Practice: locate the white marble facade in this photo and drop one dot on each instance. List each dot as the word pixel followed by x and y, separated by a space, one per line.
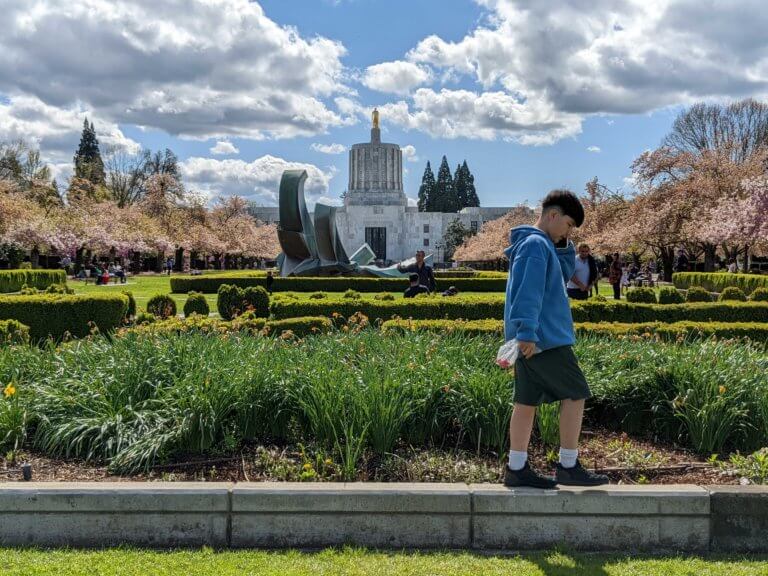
pixel 375 199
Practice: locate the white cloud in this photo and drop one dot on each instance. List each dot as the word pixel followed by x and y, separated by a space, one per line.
pixel 194 68
pixel 409 153
pixel 328 148
pixel 594 149
pixel 258 180
pixel 330 201
pixel 412 202
pixel 224 147
pixel 397 77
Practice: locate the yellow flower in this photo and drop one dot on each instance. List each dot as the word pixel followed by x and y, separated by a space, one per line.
pixel 328 462
pixel 721 390
pixel 9 391
pixel 307 466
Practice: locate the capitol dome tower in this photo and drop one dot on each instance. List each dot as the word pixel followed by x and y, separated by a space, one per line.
pixel 375 172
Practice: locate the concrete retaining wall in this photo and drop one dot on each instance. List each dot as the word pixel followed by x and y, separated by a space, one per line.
pixel 481 516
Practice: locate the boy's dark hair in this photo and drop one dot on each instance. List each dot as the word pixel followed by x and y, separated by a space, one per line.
pixel 413 277
pixel 567 202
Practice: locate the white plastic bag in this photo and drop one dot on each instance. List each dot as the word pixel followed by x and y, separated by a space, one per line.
pixel 509 352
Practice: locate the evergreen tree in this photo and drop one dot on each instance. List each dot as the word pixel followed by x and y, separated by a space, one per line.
pixel 88 162
pixel 426 190
pixel 454 236
pixel 445 193
pixel 460 184
pixel 472 199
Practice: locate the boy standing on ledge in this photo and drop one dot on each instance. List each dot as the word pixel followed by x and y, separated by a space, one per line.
pixel 538 315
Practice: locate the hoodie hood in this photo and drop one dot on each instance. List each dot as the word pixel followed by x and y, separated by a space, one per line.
pixel 516 237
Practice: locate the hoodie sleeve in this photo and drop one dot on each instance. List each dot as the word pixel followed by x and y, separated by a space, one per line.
pixel 567 258
pixel 525 292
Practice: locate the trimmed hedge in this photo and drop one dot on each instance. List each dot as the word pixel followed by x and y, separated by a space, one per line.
pixel 299 327
pixel 698 294
pixel 56 315
pixel 732 294
pixel 232 301
pixel 13 332
pixel 759 295
pixel 670 295
pixel 162 306
pixel 756 331
pixel 478 309
pixel 718 281
pixel 644 295
pixel 210 284
pixel 13 280
pixel 196 304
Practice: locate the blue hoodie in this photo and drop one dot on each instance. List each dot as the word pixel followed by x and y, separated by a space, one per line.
pixel 537 308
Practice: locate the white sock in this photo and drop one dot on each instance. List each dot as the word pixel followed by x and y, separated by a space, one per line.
pixel 568 457
pixel 517 459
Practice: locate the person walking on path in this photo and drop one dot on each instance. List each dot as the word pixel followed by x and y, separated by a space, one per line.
pixel 426 276
pixel 585 274
pixel 537 314
pixel 614 275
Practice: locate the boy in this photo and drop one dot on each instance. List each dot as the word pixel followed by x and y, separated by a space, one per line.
pixel 537 313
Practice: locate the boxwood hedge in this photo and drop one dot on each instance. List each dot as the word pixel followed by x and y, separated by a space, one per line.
pixel 718 281
pixel 210 284
pixel 55 315
pixel 13 280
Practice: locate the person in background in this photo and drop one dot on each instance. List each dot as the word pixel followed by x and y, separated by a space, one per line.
pixel 415 287
pixel 426 276
pixel 270 281
pixel 451 291
pixel 585 274
pixel 614 275
pixel 732 267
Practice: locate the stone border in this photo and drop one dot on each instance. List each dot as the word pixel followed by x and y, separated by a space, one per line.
pixel 681 518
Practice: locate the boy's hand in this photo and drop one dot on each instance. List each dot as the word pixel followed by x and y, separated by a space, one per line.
pixel 527 349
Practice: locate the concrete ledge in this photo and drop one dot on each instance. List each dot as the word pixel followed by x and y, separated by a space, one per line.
pixel 488 517
pixel 739 519
pixel 605 518
pixel 375 515
pixel 110 514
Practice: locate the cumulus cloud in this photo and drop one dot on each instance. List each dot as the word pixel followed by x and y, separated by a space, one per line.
pixel 594 149
pixel 258 180
pixel 397 77
pixel 224 147
pixel 409 153
pixel 193 68
pixel 328 148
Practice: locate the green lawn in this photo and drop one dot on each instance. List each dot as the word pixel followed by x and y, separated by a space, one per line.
pixel 358 562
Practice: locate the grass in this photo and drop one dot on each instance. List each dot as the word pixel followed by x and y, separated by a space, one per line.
pixel 359 562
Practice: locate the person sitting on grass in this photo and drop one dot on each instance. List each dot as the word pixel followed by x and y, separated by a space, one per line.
pixel 451 291
pixel 538 315
pixel 415 288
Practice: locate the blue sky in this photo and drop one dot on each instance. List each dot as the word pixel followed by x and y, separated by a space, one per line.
pixel 533 94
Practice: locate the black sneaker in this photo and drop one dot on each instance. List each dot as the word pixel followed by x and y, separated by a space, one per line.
pixel 579 476
pixel 527 477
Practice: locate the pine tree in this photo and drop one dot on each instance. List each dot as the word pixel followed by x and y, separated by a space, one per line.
pixel 88 162
pixel 460 184
pixel 472 199
pixel 427 189
pixel 445 193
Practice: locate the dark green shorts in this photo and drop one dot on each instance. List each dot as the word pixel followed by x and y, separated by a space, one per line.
pixel 549 376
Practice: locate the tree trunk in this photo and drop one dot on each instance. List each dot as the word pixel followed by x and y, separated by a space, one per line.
pixel 178 262
pixel 745 266
pixel 78 260
pixel 34 257
pixel 709 257
pixel 159 262
pixel 668 262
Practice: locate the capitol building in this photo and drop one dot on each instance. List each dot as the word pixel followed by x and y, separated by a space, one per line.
pixel 376 209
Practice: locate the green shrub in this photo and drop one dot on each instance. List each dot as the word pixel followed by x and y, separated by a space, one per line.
pixel 384 296
pixel 300 327
pixel 698 294
pixel 210 284
pixel 143 318
pixel 718 281
pixel 56 315
pixel 196 304
pixel 317 296
pixel 13 332
pixel 641 295
pixel 759 295
pixel 670 295
pixel 13 280
pixel 354 294
pixel 28 291
pixel 59 289
pixel 256 299
pixel 161 306
pixel 131 310
pixel 233 301
pixel 732 293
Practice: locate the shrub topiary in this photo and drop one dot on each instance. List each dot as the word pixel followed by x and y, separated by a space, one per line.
pixel 698 294
pixel 229 301
pixel 669 295
pixel 641 295
pixel 352 294
pixel 59 289
pixel 196 304
pixel 317 296
pixel 732 293
pixel 161 306
pixel 13 332
pixel 759 295
pixel 145 318
pixel 13 280
pixel 131 311
pixel 256 299
pixel 384 296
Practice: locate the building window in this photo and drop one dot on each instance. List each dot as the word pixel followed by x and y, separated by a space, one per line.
pixel 426 241
pixel 426 230
pixel 473 226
